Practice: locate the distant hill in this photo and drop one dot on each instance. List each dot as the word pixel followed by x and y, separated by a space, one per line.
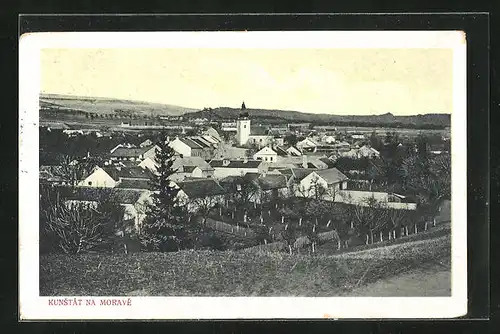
pixel 437 120
pixel 99 105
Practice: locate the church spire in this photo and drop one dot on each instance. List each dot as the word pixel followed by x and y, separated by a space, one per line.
pixel 244 112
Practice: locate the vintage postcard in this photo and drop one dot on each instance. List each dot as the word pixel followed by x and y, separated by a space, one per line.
pixel 242 175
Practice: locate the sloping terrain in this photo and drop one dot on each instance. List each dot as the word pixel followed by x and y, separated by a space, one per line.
pixel 211 273
pixel 99 105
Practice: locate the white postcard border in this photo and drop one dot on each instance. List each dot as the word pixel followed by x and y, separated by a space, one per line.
pixel 34 307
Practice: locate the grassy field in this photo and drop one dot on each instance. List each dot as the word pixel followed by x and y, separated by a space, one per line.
pixel 210 273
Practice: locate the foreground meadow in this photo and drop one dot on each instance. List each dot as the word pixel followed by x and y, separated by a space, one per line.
pixel 233 273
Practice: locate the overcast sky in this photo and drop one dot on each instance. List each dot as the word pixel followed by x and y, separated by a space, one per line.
pixel 337 81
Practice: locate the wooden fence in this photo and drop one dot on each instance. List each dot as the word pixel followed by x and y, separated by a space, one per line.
pixel 228 228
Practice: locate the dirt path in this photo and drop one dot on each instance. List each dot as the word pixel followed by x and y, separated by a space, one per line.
pixel 429 282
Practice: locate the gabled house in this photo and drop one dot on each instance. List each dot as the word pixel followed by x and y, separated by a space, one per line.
pixel 192 147
pixel 110 177
pixel 187 172
pixel 326 182
pixel 368 152
pixel 197 193
pixel 307 145
pixel 211 132
pixel 295 175
pixel 180 163
pixel 149 164
pixel 322 183
pixel 266 154
pixel 328 139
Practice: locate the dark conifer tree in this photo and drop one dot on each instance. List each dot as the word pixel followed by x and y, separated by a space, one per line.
pixel 166 227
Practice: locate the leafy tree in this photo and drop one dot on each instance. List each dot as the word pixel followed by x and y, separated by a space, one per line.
pixel 166 227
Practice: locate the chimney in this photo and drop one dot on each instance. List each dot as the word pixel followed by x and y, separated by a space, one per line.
pixel 304 161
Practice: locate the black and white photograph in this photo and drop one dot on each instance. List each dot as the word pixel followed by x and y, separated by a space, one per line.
pixel 315 166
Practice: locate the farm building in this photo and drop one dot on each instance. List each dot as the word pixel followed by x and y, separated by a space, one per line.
pixel 326 179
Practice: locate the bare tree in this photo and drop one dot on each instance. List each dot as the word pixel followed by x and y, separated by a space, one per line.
pixel 72 170
pixel 204 205
pixel 81 227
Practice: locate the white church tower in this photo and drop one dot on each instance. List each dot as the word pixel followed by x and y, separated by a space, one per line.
pixel 243 127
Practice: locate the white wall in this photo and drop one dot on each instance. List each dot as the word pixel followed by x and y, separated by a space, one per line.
pixel 180 147
pixel 197 172
pixel 267 157
pixel 306 185
pixel 148 163
pixel 99 178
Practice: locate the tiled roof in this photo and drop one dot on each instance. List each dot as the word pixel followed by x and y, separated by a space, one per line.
pixel 133 172
pixel 130 152
pixel 134 184
pixel 201 188
pixel 191 143
pixel 191 161
pixel 328 162
pixel 297 173
pixel 200 141
pixel 281 151
pixel 331 175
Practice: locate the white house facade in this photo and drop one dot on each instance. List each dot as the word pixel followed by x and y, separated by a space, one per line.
pixel 180 147
pixel 267 155
pixel 98 178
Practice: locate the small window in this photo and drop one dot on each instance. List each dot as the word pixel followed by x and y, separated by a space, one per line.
pixel 260 140
pixel 90 183
pixel 266 158
pixel 244 126
pixel 271 158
